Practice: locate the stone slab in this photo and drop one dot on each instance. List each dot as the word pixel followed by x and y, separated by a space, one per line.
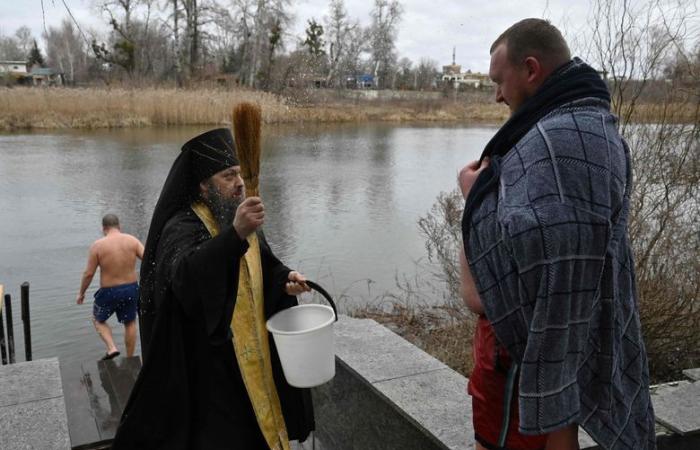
pixel 122 373
pixel 30 381
pixel 678 409
pixel 103 406
pixel 376 353
pixel 108 385
pixel 82 426
pixel 692 374
pixel 351 415
pixel 96 394
pixel 437 401
pixel 39 424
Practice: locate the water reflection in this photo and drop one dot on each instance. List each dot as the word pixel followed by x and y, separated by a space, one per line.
pixel 342 205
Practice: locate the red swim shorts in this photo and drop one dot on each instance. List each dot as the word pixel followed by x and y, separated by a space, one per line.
pixel 493 387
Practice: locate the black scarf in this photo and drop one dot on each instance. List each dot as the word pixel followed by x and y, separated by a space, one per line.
pixel 574 80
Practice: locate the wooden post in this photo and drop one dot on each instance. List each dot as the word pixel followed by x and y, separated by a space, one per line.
pixel 25 321
pixel 3 351
pixel 10 332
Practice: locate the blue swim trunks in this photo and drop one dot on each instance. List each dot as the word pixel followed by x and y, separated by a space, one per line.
pixel 122 299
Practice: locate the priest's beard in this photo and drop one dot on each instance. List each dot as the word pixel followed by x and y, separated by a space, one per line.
pixel 223 208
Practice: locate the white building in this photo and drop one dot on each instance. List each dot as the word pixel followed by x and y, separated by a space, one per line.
pixel 453 73
pixel 475 80
pixel 18 68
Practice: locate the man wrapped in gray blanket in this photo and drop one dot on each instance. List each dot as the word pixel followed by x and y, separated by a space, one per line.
pixel 550 268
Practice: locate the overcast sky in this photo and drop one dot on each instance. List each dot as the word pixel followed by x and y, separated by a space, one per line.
pixel 429 28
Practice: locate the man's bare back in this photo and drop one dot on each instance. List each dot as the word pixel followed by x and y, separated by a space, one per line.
pixel 116 256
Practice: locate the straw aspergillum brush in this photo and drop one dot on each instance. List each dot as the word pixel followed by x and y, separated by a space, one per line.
pixel 247 121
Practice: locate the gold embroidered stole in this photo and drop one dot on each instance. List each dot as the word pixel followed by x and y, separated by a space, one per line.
pixel 250 339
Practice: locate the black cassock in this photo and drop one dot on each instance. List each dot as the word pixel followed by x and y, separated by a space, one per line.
pixel 190 394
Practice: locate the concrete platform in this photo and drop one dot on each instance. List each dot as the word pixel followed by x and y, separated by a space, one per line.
pixel 32 408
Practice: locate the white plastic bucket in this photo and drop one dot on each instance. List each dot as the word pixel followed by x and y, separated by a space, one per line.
pixel 304 338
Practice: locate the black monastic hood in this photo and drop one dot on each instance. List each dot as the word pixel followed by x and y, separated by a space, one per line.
pixel 200 158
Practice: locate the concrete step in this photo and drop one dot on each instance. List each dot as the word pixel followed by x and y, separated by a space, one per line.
pixel 677 407
pixel 32 409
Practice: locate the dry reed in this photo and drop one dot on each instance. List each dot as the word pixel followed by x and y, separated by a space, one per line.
pixel 35 108
pixel 23 108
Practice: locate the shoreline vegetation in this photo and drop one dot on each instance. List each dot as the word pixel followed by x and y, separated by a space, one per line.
pixel 27 109
pixel 31 109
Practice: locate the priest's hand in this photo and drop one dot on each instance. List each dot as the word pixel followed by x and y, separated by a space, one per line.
pixel 297 284
pixel 249 216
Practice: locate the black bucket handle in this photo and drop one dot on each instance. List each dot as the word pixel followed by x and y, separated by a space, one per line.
pixel 325 294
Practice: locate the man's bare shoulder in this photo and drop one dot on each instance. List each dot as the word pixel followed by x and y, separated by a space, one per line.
pixel 131 238
pixel 97 244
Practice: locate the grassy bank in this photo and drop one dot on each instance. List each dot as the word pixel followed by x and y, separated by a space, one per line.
pixel 31 108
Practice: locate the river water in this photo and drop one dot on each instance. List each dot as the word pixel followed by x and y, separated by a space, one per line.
pixel 342 205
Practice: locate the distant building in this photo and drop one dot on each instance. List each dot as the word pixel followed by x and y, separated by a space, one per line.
pixel 475 80
pixel 45 76
pixel 453 70
pixel 453 73
pixel 17 72
pixel 13 68
pixel 364 81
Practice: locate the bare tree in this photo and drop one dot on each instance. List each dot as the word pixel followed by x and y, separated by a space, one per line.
pixel 174 7
pixel 224 38
pixel 195 19
pixel 385 20
pixel 122 49
pixel 24 40
pixel 10 49
pixel 140 42
pixel 66 50
pixel 272 18
pixel 342 34
pixel 425 74
pixel 241 56
pixel 402 76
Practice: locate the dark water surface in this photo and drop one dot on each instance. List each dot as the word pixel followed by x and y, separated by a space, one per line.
pixel 342 206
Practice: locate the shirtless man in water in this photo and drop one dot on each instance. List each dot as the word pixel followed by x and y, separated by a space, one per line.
pixel 115 255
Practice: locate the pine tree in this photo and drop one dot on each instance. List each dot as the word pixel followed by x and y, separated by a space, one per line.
pixel 35 57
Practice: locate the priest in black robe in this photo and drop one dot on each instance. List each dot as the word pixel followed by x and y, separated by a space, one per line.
pixel 211 377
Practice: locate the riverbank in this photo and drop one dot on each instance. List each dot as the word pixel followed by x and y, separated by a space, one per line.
pixel 92 108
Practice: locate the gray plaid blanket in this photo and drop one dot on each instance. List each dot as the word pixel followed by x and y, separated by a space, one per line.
pixel 548 247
